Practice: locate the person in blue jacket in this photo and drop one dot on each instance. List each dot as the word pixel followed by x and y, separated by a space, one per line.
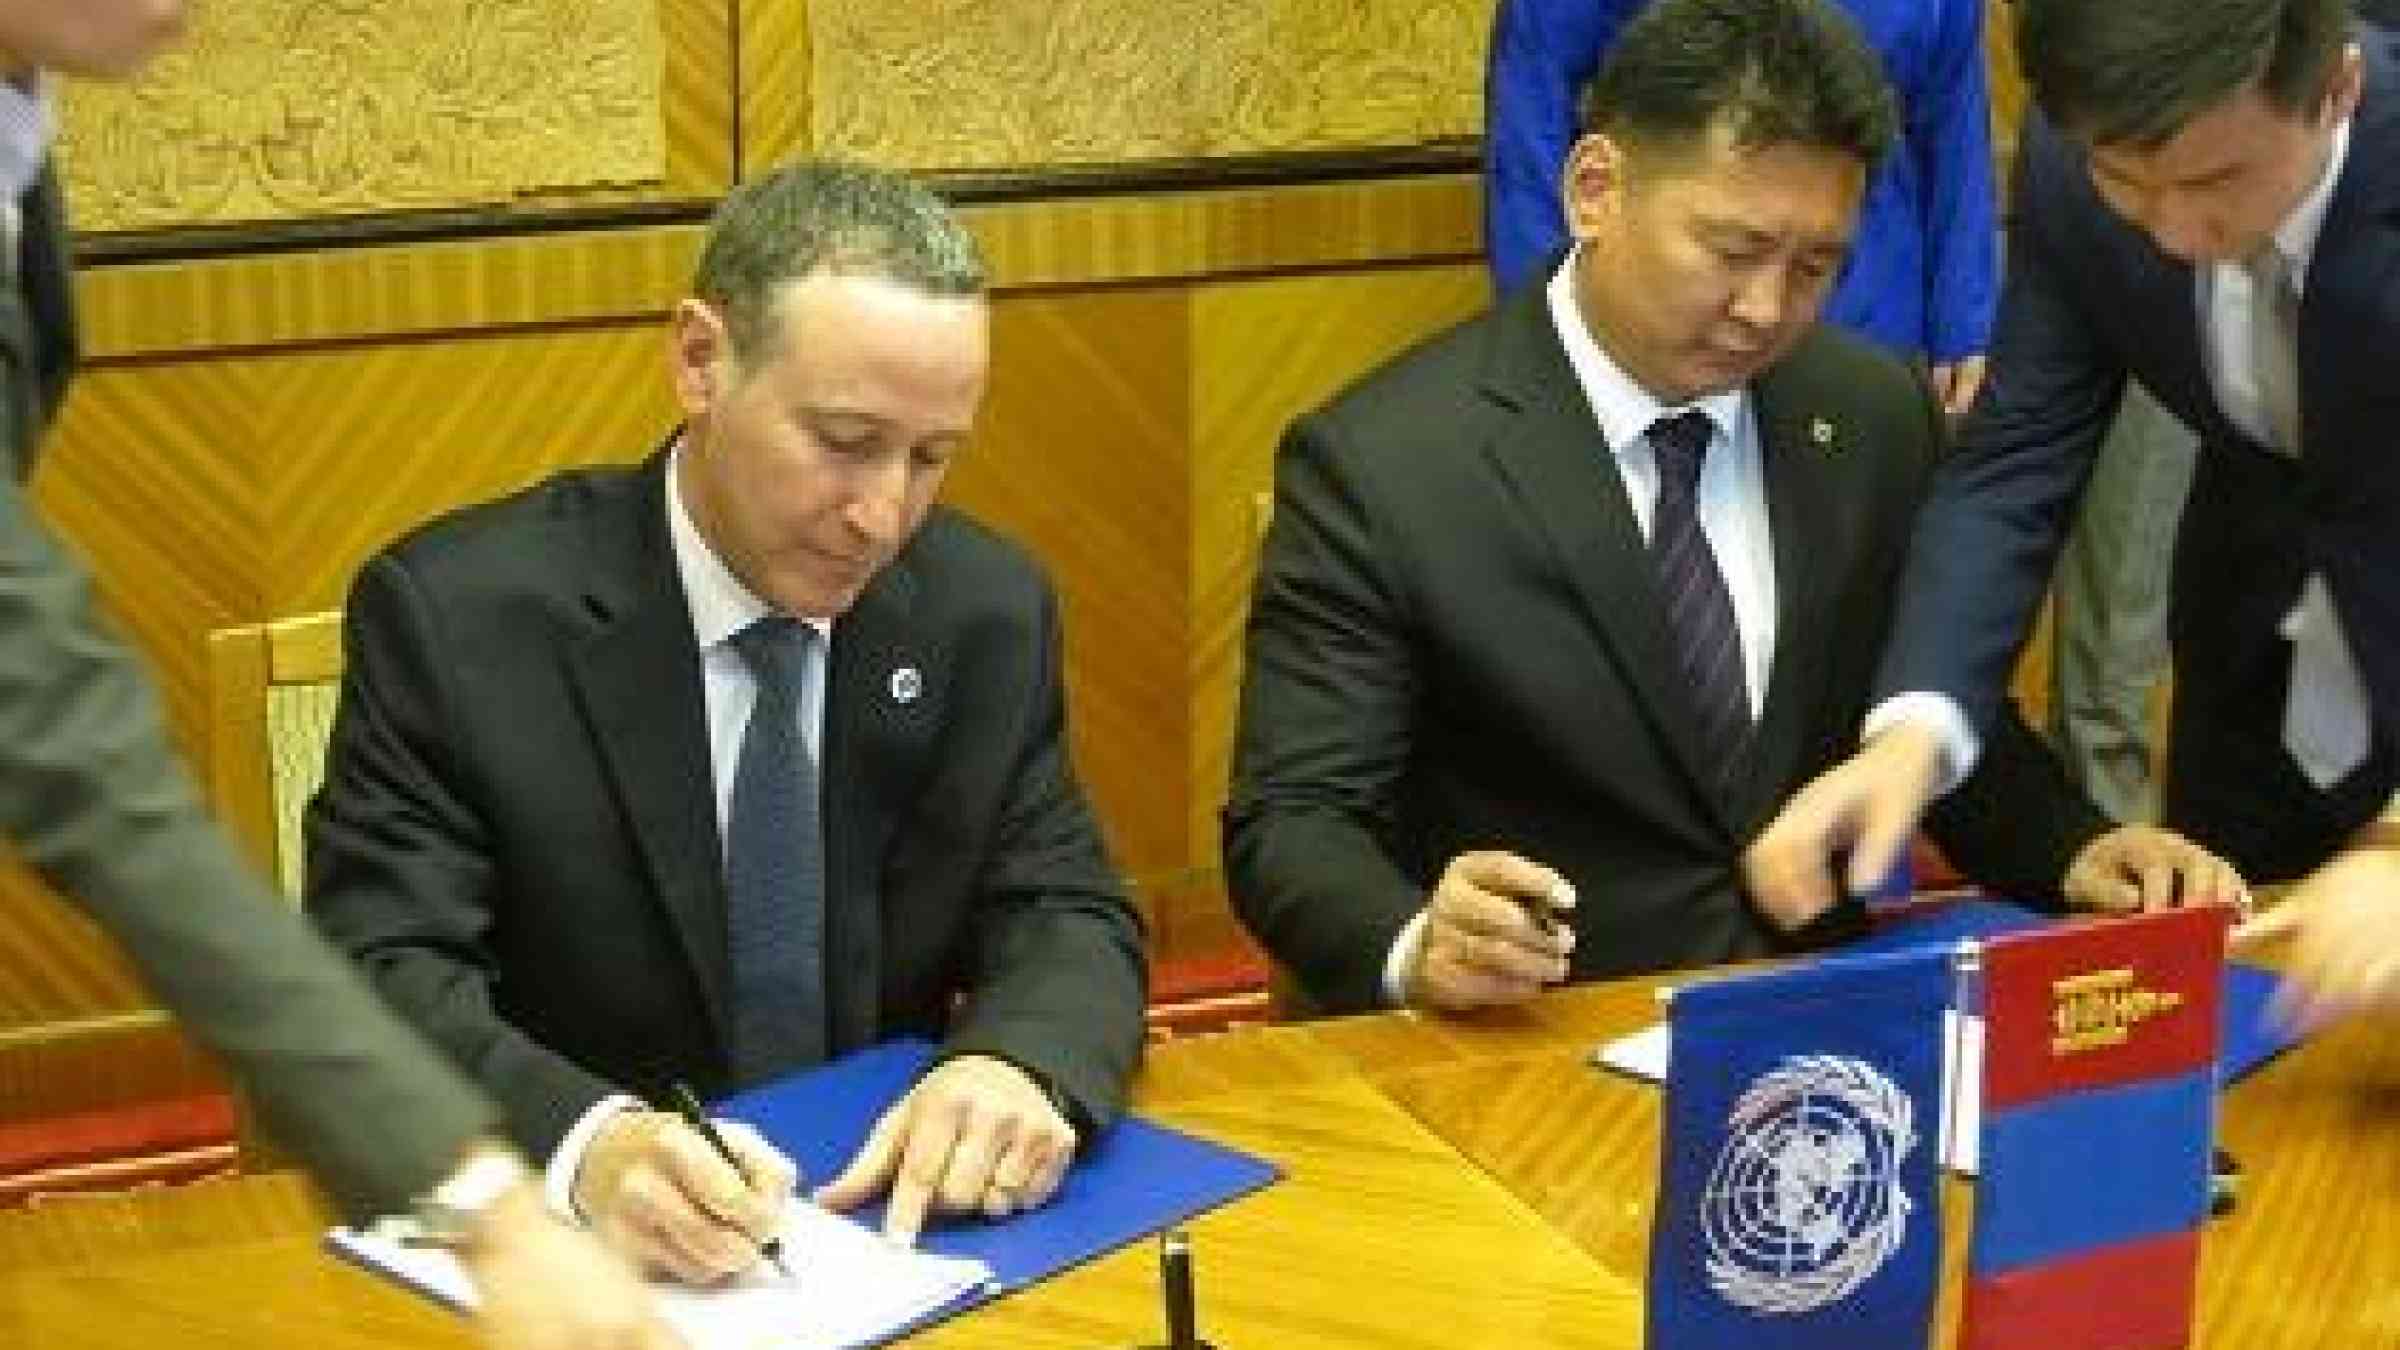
pixel 1921 277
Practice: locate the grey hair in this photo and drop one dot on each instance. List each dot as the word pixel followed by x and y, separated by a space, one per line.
pixel 826 216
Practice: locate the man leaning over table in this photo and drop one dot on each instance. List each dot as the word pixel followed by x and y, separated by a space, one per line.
pixel 2226 231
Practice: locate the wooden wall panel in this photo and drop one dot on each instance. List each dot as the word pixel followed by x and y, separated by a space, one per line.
pixel 357 445
pixel 1264 352
pixel 995 84
pixel 1080 458
pixel 293 111
pixel 701 93
pixel 154 482
pixel 774 78
pixel 349 296
pixel 56 968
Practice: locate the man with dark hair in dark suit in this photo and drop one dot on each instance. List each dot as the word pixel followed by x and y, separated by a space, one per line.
pixel 93 797
pixel 751 754
pixel 2209 203
pixel 1557 608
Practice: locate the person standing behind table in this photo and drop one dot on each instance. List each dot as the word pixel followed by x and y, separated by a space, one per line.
pixel 2224 230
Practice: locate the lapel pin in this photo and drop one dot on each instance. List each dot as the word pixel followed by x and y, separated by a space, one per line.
pixel 1820 431
pixel 907 684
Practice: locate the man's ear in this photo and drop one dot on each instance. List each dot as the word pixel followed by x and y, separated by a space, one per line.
pixel 2344 85
pixel 1592 183
pixel 699 356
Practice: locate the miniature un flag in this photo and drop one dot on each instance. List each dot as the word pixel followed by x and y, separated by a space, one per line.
pixel 1798 1157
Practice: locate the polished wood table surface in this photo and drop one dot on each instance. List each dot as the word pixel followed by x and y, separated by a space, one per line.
pixel 1451 1182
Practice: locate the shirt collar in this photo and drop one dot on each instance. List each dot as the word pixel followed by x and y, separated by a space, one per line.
pixel 27 124
pixel 1624 408
pixel 2296 237
pixel 721 605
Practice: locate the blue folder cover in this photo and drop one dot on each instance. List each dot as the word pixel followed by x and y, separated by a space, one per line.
pixel 2250 1036
pixel 1135 1179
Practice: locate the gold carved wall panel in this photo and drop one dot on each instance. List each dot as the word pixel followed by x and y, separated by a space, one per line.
pixel 992 84
pixel 281 109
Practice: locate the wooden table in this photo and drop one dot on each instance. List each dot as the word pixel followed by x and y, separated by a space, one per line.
pixel 1452 1182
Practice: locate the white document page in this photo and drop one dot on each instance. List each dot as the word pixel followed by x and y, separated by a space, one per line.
pixel 848 1287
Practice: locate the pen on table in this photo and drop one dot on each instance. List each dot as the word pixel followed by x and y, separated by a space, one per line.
pixel 688 1106
pixel 1175 1281
pixel 1548 910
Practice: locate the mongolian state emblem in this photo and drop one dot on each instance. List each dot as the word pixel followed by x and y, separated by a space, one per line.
pixel 2101 1008
pixel 1805 1202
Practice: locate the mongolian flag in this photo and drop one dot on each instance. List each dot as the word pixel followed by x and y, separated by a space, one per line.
pixel 1796 1199
pixel 2099 1096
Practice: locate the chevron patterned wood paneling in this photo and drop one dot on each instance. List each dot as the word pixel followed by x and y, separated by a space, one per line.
pixel 1080 457
pixel 357 445
pixel 774 77
pixel 1263 352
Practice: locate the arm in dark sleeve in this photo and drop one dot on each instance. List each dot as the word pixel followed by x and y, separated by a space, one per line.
pixel 94 799
pixel 2017 823
pixel 2000 502
pixel 1328 694
pixel 1542 54
pixel 1950 133
pixel 399 870
pixel 1059 972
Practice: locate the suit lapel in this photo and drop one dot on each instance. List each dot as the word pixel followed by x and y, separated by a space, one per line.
pixel 37 325
pixel 1804 473
pixel 2354 273
pixel 638 675
pixel 886 689
pixel 1553 456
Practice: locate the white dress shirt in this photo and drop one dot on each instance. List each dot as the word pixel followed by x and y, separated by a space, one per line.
pixel 2222 298
pixel 721 607
pixel 1731 499
pixel 27 125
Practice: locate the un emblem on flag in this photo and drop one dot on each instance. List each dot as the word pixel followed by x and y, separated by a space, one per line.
pixel 1805 1202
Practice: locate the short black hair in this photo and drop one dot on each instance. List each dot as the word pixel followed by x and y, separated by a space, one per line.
pixel 1774 72
pixel 2136 72
pixel 827 216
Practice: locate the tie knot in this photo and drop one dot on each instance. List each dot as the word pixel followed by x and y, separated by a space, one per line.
pixel 1680 442
pixel 773 647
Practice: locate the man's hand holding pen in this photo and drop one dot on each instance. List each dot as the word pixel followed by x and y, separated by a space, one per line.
pixel 1495 932
pixel 657 1192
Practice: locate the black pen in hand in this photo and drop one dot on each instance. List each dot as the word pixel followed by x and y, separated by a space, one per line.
pixel 686 1105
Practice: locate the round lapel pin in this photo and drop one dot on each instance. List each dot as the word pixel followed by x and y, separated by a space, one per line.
pixel 1820 430
pixel 907 684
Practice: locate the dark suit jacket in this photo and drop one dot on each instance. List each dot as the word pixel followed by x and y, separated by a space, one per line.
pixel 2089 301
pixel 517 834
pixel 92 795
pixel 1455 644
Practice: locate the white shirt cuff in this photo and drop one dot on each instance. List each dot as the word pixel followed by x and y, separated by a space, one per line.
pixel 1948 721
pixel 558 1178
pixel 1403 956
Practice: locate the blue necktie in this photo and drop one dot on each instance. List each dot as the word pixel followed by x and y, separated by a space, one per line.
pixel 775 867
pixel 1699 608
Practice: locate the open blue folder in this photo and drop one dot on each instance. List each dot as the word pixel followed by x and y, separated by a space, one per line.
pixel 1135 1179
pixel 2250 1036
